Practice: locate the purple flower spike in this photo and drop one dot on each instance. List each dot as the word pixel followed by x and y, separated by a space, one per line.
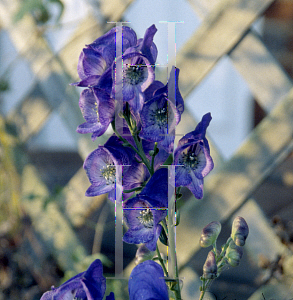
pixel 144 212
pixel 147 282
pixel 192 159
pixel 88 285
pixel 98 110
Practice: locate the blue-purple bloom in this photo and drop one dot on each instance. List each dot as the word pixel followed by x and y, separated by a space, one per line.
pixel 147 282
pixel 144 212
pixel 192 159
pixel 101 169
pixel 158 120
pixel 138 74
pixel 162 113
pixel 97 58
pixel 138 71
pixel 88 285
pixel 98 109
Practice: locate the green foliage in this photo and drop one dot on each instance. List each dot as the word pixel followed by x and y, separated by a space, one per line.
pixel 4 85
pixel 39 9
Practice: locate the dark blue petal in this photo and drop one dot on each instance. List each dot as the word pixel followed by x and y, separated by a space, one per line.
pixel 150 91
pixel 199 132
pixel 111 296
pixel 147 282
pixel 157 188
pixel 147 47
pixel 96 190
pixel 192 159
pixel 152 244
pixel 196 187
pixel 106 44
pixel 88 81
pixel 138 236
pixel 88 285
pixel 98 110
pixel 169 89
pixel 90 63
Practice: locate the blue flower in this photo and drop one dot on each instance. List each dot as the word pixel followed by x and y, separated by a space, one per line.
pixel 100 167
pixel 138 74
pixel 138 71
pixel 144 212
pixel 159 115
pixel 88 285
pixel 147 282
pixel 172 87
pixel 98 110
pixel 158 120
pixel 192 159
pixel 98 57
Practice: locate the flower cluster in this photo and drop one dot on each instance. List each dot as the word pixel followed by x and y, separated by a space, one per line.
pixel 132 166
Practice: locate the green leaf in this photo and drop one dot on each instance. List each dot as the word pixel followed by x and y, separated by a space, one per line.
pixel 169 160
pixel 163 237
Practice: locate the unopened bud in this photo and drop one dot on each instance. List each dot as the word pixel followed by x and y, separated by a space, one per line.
pixel 210 268
pixel 143 254
pixel 210 234
pixel 239 231
pixel 234 254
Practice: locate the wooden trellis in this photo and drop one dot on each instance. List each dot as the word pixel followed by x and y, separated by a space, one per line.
pixel 225 30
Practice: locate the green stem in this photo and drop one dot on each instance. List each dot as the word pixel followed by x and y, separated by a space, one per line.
pixel 153 157
pixel 142 154
pixel 139 149
pixel 205 285
pixel 139 188
pixel 220 257
pixel 161 261
pixel 171 243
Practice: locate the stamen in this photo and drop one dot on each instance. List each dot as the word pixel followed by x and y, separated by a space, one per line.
pixel 146 218
pixel 159 116
pixel 96 110
pixel 134 74
pixel 189 160
pixel 109 173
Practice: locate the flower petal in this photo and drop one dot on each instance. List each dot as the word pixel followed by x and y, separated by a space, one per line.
pixel 147 282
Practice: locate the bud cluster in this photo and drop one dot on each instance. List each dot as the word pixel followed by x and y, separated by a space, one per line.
pixel 231 252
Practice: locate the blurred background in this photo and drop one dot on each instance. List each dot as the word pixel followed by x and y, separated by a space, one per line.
pixel 236 61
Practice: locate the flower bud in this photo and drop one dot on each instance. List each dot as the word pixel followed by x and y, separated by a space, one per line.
pixel 210 234
pixel 239 231
pixel 233 254
pixel 143 254
pixel 210 267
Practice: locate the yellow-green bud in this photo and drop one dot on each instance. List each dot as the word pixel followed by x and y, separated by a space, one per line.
pixel 234 254
pixel 210 234
pixel 143 254
pixel 210 268
pixel 240 231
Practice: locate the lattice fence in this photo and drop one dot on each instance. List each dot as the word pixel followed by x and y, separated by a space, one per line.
pixel 225 30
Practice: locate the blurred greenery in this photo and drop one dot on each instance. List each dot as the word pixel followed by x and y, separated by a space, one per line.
pixel 39 9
